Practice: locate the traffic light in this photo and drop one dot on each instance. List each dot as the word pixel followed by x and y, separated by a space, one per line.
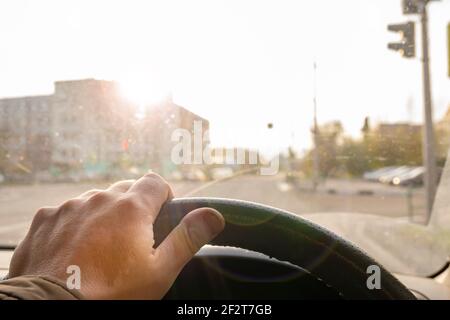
pixel 407 46
pixel 414 6
pixel 411 6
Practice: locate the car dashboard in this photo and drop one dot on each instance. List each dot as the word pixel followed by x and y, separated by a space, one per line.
pixel 234 273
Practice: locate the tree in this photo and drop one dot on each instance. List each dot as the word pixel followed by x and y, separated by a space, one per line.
pixel 384 145
pixel 3 150
pixel 328 139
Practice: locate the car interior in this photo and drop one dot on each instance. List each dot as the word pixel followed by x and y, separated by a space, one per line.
pixel 320 130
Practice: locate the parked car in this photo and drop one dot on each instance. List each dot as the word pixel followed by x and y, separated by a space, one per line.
pixel 391 174
pixel 376 174
pixel 413 177
pixel 194 175
pixel 221 173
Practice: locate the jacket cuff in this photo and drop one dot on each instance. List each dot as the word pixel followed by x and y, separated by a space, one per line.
pixel 36 288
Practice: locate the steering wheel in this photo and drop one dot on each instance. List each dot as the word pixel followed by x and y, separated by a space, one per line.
pixel 290 238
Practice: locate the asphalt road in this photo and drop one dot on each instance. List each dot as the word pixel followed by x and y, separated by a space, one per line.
pixel 18 203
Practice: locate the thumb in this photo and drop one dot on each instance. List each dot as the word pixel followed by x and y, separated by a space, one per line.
pixel 196 229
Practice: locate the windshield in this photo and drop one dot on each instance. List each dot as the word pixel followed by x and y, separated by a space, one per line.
pixel 300 105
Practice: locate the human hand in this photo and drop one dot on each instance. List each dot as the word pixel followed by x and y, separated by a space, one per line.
pixel 108 234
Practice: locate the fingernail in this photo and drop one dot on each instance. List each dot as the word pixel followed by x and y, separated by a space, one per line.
pixel 206 226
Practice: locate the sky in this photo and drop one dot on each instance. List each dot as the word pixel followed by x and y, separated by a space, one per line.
pixel 239 63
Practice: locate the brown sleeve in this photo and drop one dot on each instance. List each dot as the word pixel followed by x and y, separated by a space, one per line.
pixel 35 288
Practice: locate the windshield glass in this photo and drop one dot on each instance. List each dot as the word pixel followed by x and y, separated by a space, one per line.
pixel 300 105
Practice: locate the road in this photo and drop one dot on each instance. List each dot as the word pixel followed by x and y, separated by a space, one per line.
pixel 18 203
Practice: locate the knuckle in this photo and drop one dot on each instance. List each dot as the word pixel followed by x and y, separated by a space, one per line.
pixel 42 214
pixel 152 175
pixel 190 244
pixel 70 205
pixel 128 204
pixel 100 197
pixel 157 179
pixel 122 183
pixel 41 218
pixel 90 193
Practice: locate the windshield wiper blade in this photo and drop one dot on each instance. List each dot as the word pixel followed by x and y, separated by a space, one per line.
pixel 7 247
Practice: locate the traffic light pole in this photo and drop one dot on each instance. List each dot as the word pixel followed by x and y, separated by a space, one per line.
pixel 428 145
pixel 316 155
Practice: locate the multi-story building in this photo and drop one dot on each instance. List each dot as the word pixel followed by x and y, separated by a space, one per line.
pixel 85 126
pixel 159 123
pixel 89 123
pixel 25 127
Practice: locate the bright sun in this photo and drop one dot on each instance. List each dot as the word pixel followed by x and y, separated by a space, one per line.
pixel 143 90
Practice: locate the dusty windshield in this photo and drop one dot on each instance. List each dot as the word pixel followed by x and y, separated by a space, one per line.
pixel 300 105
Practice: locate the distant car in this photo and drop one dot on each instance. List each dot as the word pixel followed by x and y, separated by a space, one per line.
pixel 391 174
pixel 194 175
pixel 176 175
pixel 221 173
pixel 376 174
pixel 413 177
pixel 294 176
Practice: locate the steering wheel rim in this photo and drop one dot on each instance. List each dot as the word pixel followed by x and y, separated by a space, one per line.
pixel 288 237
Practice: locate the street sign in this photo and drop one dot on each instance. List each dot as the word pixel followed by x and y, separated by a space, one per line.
pixel 407 44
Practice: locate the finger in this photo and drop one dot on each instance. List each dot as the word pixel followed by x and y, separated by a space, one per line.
pixel 153 191
pixel 121 186
pixel 195 230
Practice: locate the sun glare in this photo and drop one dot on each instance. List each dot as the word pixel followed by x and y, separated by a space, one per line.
pixel 143 90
